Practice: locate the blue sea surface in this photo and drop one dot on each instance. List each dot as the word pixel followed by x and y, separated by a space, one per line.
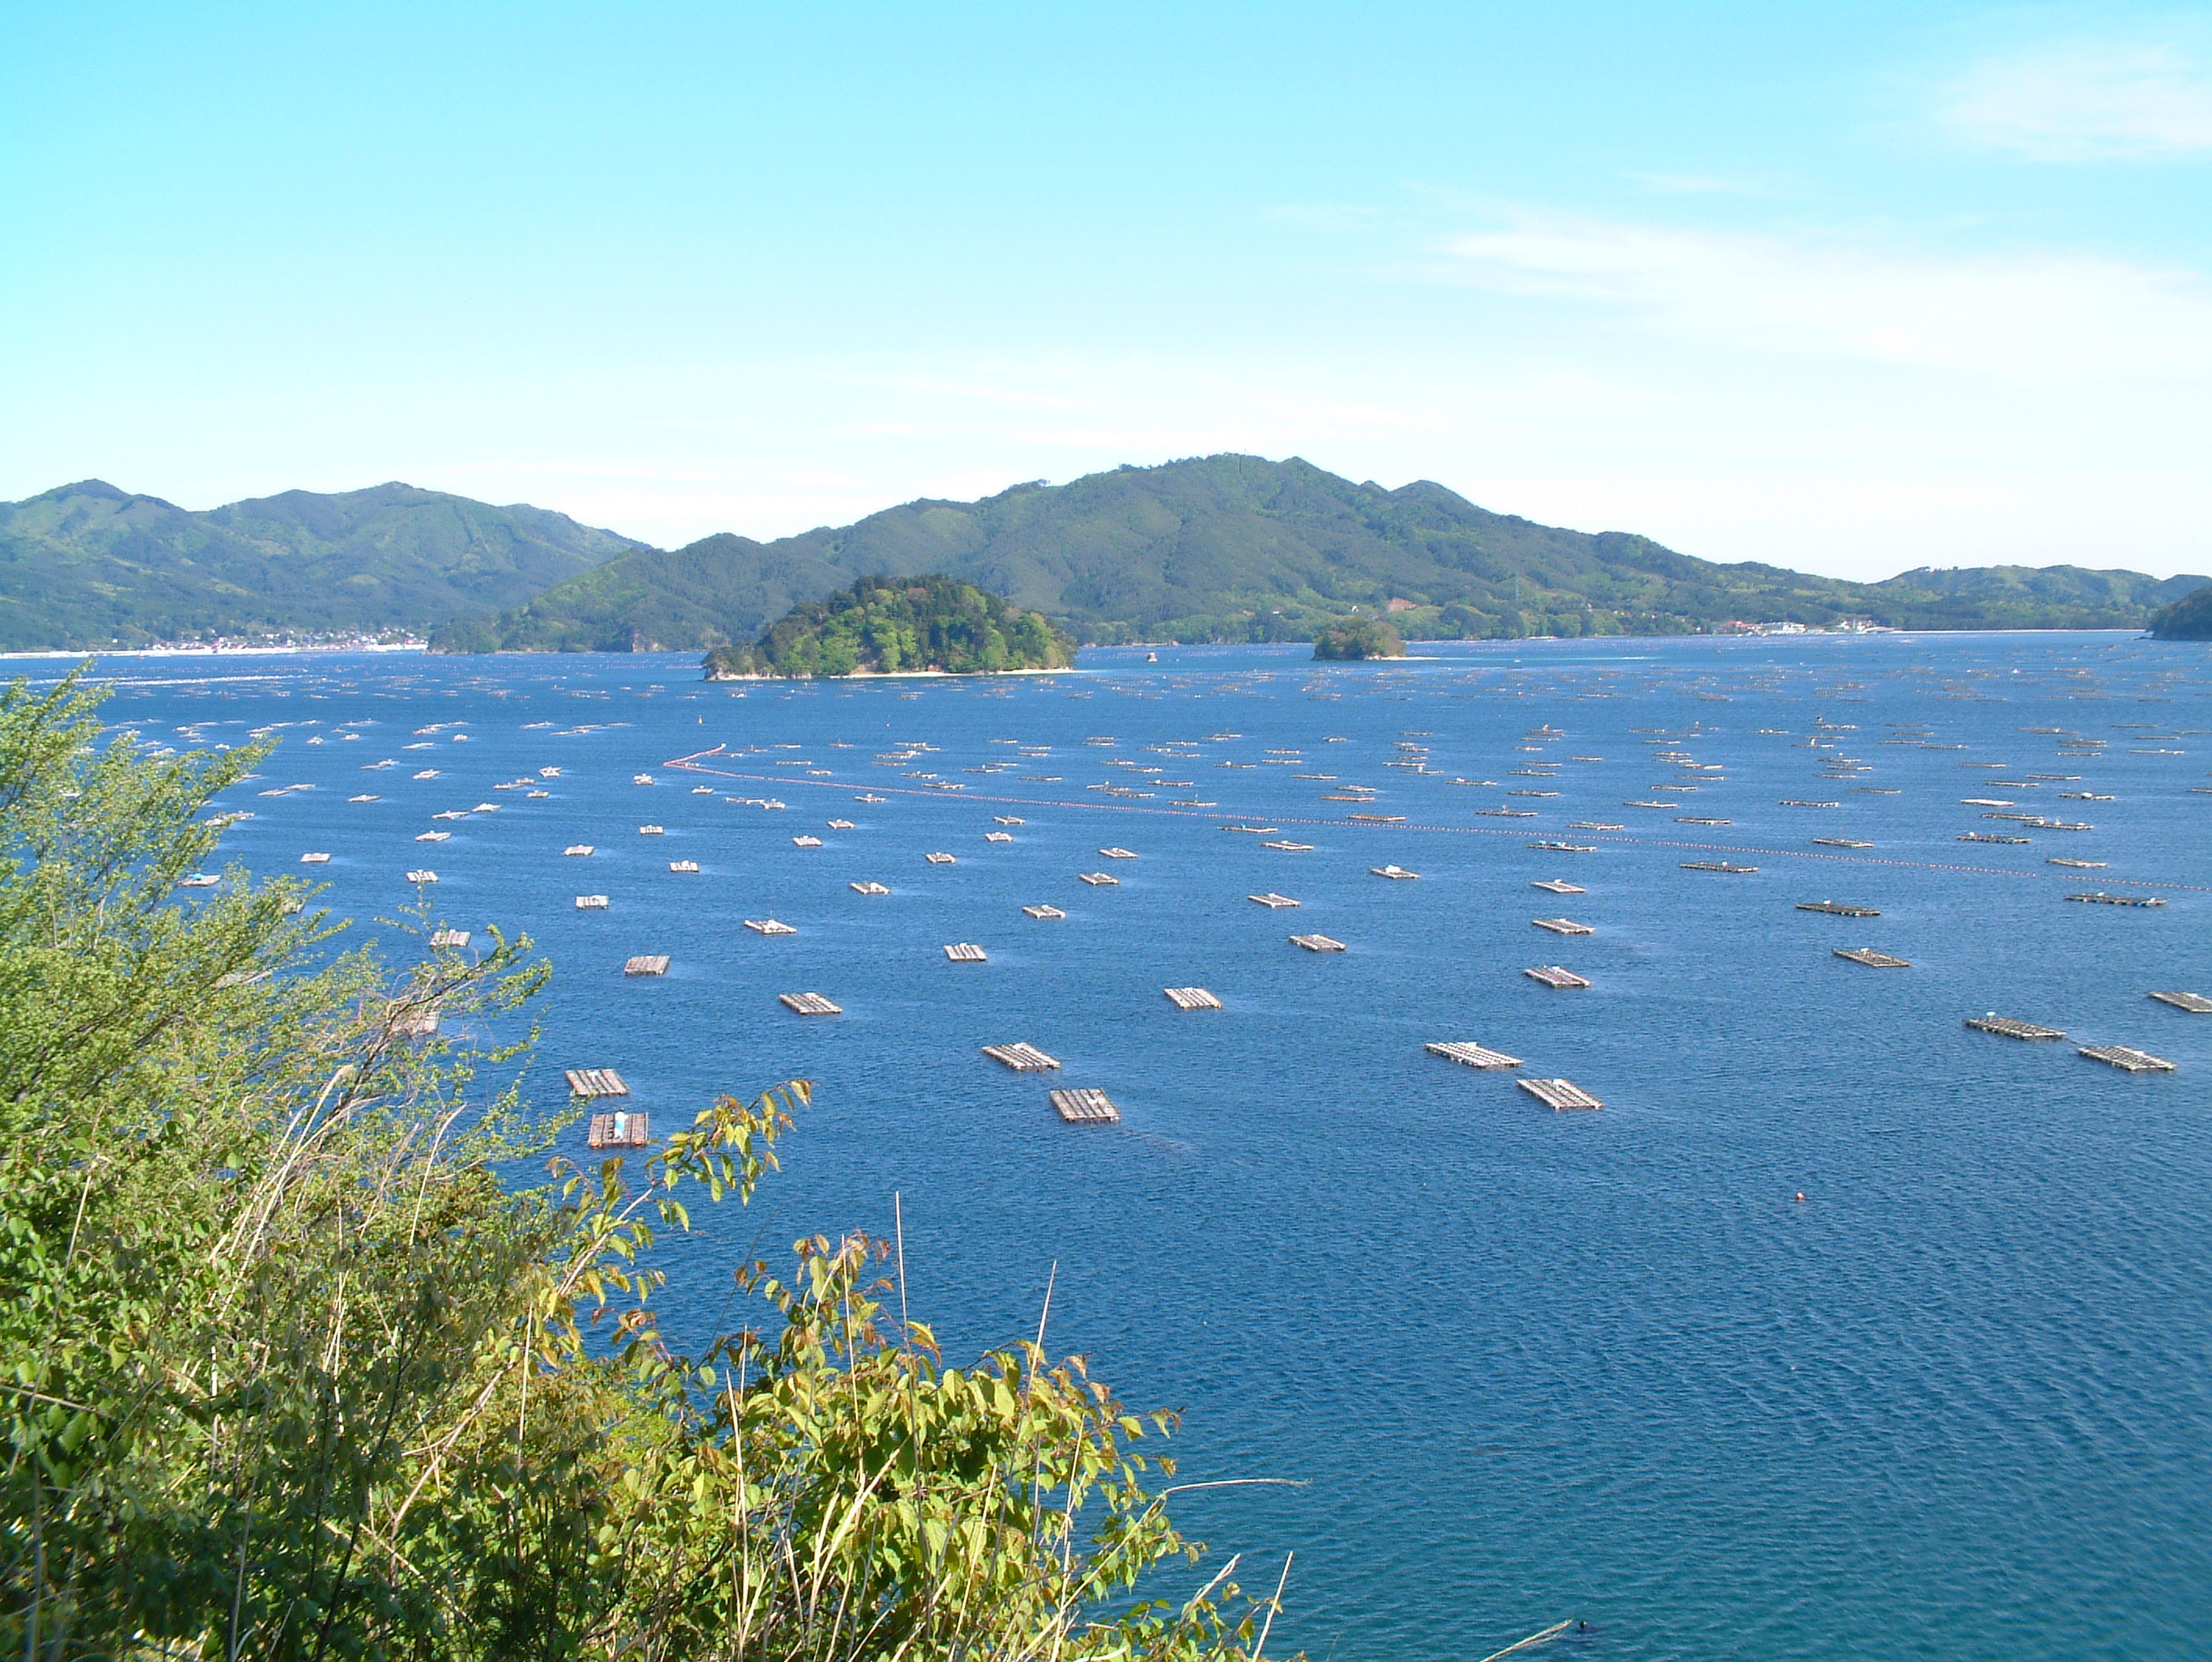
pixel 1521 1365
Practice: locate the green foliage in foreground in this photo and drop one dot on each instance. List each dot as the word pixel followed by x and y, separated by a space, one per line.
pixel 1358 637
pixel 288 1372
pixel 882 625
pixel 2189 618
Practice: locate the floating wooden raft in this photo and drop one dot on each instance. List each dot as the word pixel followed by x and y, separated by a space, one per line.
pixel 1044 912
pixel 1192 998
pixel 420 877
pixel 1008 819
pixel 684 865
pixel 840 825
pixel 1557 887
pixel 1563 925
pixel 652 831
pixel 1841 842
pixel 1472 1056
pixel 807 842
pixel 2118 899
pixel 2195 1004
pixel 2079 865
pixel 1558 1093
pixel 1396 871
pixel 415 1024
pixel 1254 830
pixel 1318 943
pixel 591 903
pixel 868 888
pixel 596 1082
pixel 1860 955
pixel 872 799
pixel 1566 847
pixel 455 938
pixel 578 848
pixel 1984 836
pixel 2006 1027
pixel 435 836
pixel 998 836
pixel 1679 820
pixel 1099 879
pixel 2127 1058
pixel 966 952
pixel 1715 865
pixel 939 858
pixel 808 1004
pixel 1289 847
pixel 769 927
pixel 1379 819
pixel 1553 976
pixel 1117 854
pixel 1792 802
pixel 314 859
pixel 1085 1107
pixel 647 964
pixel 604 1134
pixel 1835 910
pixel 1021 1058
pixel 1271 899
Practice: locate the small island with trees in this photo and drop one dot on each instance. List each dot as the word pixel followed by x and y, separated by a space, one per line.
pixel 2189 618
pixel 1352 638
pixel 899 626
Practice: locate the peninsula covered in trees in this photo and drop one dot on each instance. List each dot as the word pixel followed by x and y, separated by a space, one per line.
pixel 900 625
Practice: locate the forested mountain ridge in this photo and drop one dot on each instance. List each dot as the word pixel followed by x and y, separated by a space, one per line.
pixel 2189 618
pixel 1237 547
pixel 87 565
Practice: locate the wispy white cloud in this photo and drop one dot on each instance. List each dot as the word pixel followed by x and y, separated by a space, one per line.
pixel 2030 315
pixel 2085 101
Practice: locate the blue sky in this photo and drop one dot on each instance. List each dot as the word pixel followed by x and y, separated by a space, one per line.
pixel 1848 287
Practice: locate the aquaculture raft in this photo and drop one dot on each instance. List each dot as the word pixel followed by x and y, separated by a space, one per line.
pixel 807 842
pixel 1841 842
pixel 456 938
pixel 1117 854
pixel 1021 1058
pixel 1085 1107
pixel 966 952
pixel 314 859
pixel 603 1135
pixel 590 902
pixel 1557 886
pixel 868 888
pixel 684 865
pixel 938 858
pixel 1100 879
pixel 652 831
pixel 1558 1093
pixel 422 877
pixel 577 848
pixel 1044 912
pixel 998 836
pixel 1317 942
pixel 1835 910
pixel 1395 871
pixel 1289 847
pixel 2127 1058
pixel 2118 899
pixel 2195 1004
pixel 807 1003
pixel 2006 1027
pixel 647 964
pixel 1860 955
pixel 1562 925
pixel 596 1082
pixel 1553 976
pixel 1566 847
pixel 1192 998
pixel 1716 865
pixel 1271 899
pixel 1471 1055
pixel 769 927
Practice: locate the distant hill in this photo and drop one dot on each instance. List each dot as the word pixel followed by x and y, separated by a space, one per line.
pixel 884 626
pixel 87 565
pixel 1238 548
pixel 2189 618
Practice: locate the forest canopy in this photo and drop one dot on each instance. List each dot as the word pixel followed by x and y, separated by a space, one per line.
pixel 891 625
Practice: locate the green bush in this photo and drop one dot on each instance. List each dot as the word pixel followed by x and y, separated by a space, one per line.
pixel 286 1370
